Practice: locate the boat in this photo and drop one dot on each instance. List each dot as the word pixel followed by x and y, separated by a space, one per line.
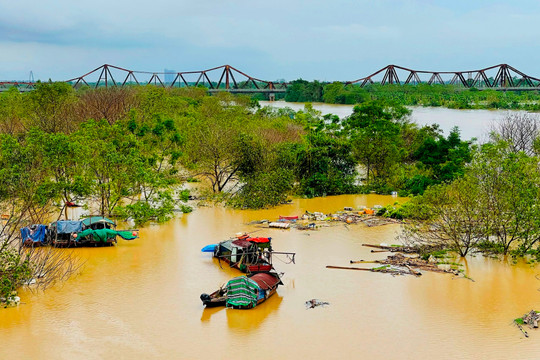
pixel 244 292
pixel 288 218
pixel 247 254
pixel 92 231
pixel 100 231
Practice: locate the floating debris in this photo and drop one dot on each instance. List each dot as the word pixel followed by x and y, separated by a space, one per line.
pixel 12 300
pixel 311 226
pixel 310 304
pixel 257 222
pixel 279 225
pixel 531 319
pixel 393 248
pixel 401 265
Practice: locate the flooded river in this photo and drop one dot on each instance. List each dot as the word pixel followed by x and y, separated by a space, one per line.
pixel 472 123
pixel 140 300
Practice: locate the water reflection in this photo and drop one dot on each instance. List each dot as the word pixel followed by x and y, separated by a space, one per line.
pixel 248 320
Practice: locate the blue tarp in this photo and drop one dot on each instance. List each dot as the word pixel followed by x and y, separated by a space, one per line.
pixel 68 226
pixel 209 248
pixel 35 233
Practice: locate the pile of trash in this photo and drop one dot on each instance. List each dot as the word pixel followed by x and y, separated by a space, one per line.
pixel 310 304
pixel 313 220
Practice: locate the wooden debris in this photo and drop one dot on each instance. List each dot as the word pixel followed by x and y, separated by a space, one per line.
pixel 531 319
pixel 521 329
pixel 415 262
pixel 400 264
pixel 382 269
pixel 347 268
pixel 403 249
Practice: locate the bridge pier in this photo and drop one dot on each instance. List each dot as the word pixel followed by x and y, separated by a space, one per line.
pixel 271 97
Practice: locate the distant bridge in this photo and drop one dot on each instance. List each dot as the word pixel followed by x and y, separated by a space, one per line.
pixel 498 77
pixel 227 78
pixel 221 78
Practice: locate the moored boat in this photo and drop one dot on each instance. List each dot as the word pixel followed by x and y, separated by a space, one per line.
pixel 92 231
pixel 244 292
pixel 245 253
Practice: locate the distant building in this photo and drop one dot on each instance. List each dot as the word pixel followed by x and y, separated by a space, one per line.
pixel 169 75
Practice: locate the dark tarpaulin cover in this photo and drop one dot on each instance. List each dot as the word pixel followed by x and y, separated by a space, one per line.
pixel 35 233
pixel 68 226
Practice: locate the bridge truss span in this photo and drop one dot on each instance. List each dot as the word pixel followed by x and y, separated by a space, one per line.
pixel 221 78
pixel 502 76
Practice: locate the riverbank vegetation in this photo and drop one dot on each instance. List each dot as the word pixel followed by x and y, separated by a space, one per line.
pixel 449 96
pixel 127 152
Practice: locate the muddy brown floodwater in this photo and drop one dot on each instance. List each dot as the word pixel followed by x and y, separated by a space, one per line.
pixel 140 300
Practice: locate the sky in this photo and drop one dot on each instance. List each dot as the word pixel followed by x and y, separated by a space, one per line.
pixel 314 40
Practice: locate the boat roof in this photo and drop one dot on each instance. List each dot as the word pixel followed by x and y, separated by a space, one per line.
pixel 242 243
pixel 266 280
pixel 97 219
pixel 67 226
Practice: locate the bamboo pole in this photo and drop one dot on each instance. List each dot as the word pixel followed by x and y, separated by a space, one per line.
pixel 347 268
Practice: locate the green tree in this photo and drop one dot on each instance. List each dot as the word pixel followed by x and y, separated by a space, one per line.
pixel 114 158
pixel 51 106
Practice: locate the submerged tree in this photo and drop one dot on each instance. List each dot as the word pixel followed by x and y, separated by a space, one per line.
pixel 26 198
pixel 519 130
pixel 448 216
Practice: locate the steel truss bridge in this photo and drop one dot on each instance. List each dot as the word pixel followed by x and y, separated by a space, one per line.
pixel 227 78
pixel 498 77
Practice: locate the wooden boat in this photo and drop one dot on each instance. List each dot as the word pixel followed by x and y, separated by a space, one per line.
pixel 247 254
pixel 92 231
pixel 244 292
pixel 288 218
